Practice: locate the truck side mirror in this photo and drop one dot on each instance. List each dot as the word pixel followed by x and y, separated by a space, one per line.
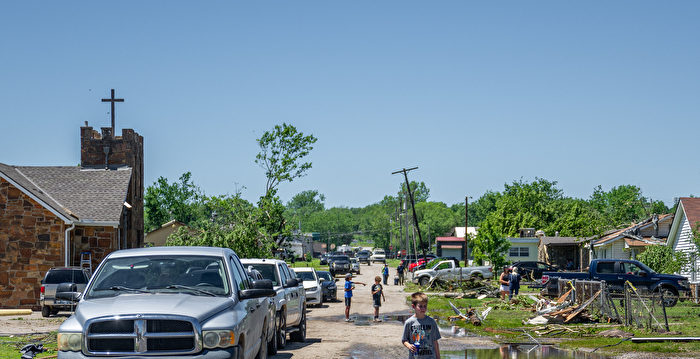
pixel 292 282
pixel 262 284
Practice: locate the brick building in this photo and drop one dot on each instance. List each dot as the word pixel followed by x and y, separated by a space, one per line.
pixel 50 215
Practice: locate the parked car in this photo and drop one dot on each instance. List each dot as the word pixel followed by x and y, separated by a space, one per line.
pixel 363 256
pixel 170 302
pixel 421 261
pixel 449 270
pixel 312 285
pixel 532 270
pixel 339 264
pixel 328 285
pixel 290 300
pixel 378 256
pixel 354 265
pixel 432 262
pixel 324 259
pixel 69 279
pixel 616 272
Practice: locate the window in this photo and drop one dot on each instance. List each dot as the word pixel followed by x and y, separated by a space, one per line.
pixel 519 252
pixel 606 267
pixel 284 274
pixel 239 275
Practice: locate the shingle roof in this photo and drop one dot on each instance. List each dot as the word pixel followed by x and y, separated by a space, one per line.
pixel 560 240
pixel 691 206
pixel 88 195
pixel 621 232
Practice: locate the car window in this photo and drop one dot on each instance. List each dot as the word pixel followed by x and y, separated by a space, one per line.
pixel 325 275
pixel 239 274
pixel 284 273
pixel 267 271
pixel 606 267
pixel 630 268
pixel 443 266
pixel 306 276
pixel 65 275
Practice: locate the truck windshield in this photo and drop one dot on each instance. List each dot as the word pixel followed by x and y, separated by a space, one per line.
pixel 195 275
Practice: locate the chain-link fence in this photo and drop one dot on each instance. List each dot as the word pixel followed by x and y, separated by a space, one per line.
pixel 629 305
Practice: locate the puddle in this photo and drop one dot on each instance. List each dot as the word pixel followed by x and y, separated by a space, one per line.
pixel 519 351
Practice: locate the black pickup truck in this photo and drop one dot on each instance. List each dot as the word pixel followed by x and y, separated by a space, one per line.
pixel 615 272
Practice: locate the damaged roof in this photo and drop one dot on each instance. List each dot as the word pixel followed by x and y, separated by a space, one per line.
pixel 74 193
pixel 630 238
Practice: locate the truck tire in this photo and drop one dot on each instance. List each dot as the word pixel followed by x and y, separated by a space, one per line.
pixel 272 340
pixel 45 311
pixel 423 281
pixel 282 330
pixel 300 334
pixel 670 296
pixel 262 351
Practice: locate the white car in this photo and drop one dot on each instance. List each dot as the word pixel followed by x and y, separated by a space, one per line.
pixel 354 265
pixel 378 256
pixel 312 286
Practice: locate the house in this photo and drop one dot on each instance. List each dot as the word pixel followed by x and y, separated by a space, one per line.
pixel 524 247
pixel 458 232
pixel 627 243
pixel 450 247
pixel 53 216
pixel 159 236
pixel 560 250
pixel 687 218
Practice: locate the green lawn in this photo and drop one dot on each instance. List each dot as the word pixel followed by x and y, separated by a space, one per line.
pixel 10 346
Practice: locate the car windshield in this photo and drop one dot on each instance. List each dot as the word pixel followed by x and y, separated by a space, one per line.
pixel 341 258
pixel 267 271
pixel 306 276
pixel 57 276
pixel 196 275
pixel 325 275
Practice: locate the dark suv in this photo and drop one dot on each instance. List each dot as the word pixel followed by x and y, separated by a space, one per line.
pixel 363 256
pixel 63 279
pixel 532 270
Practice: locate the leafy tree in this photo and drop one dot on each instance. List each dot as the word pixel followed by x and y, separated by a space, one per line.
pixel 478 210
pixel 165 201
pixel 663 259
pixel 435 219
pixel 621 206
pixel 281 153
pixel 421 192
pixel 307 202
pixel 575 218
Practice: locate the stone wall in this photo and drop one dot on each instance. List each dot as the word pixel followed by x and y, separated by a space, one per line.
pixel 31 242
pixel 126 149
pixel 99 241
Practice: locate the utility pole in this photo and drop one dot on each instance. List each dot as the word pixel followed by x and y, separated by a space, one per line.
pixel 413 204
pixel 466 231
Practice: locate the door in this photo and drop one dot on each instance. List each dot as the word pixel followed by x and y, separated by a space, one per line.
pixel 250 323
pixel 292 296
pixel 633 273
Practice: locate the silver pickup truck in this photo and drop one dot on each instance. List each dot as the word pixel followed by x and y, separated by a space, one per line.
pixel 72 279
pixel 170 302
pixel 448 270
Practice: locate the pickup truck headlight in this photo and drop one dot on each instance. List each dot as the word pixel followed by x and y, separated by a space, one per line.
pixel 69 342
pixel 218 338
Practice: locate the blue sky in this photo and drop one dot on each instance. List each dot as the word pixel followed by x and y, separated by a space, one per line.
pixel 476 94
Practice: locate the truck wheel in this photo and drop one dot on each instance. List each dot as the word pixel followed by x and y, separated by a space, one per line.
pixel 45 311
pixel 282 330
pixel 670 296
pixel 423 281
pixel 300 335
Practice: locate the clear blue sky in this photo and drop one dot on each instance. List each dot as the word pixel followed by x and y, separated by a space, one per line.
pixel 476 94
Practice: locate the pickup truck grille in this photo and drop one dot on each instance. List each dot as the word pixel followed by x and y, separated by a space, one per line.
pixel 142 334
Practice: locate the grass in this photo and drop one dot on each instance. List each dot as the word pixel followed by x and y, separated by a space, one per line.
pixel 505 324
pixel 10 346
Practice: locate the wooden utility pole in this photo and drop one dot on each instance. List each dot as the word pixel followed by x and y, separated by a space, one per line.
pixel 413 204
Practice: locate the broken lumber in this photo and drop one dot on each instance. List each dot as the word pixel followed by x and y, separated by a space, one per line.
pixel 582 307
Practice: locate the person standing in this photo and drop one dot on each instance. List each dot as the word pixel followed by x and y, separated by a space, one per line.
pixel 349 286
pixel 385 273
pixel 399 271
pixel 420 332
pixel 377 296
pixel 513 283
pixel 503 281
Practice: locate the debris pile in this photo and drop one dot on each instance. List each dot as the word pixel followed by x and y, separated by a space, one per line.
pixel 467 288
pixel 469 315
pixel 561 310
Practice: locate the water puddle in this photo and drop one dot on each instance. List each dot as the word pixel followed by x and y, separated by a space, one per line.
pixel 513 351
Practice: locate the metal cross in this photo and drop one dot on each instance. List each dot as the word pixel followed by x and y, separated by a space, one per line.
pixel 112 100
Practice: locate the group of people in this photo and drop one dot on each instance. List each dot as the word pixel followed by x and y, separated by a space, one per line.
pixel 510 282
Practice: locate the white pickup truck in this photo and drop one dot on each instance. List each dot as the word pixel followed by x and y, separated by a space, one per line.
pixel 448 270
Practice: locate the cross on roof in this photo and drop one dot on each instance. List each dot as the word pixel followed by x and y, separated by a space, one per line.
pixel 112 100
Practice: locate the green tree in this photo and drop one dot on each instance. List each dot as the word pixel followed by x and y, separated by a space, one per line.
pixel 621 206
pixel 478 210
pixel 281 155
pixel 166 201
pixel 663 259
pixel 435 219
pixel 421 192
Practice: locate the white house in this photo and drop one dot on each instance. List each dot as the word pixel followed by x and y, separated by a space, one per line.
pixel 627 243
pixel 686 218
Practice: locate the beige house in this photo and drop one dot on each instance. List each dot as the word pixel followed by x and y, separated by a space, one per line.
pixel 157 237
pixel 628 242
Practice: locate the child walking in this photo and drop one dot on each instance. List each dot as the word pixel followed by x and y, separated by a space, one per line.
pixel 420 332
pixel 349 286
pixel 377 296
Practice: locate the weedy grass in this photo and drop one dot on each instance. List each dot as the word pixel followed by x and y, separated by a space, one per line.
pixel 10 346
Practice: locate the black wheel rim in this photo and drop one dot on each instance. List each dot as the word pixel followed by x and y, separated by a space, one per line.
pixel 282 332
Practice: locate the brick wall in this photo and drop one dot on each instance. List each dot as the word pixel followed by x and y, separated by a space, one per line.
pixel 126 149
pixel 31 242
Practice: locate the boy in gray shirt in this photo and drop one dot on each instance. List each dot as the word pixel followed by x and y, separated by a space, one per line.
pixel 420 332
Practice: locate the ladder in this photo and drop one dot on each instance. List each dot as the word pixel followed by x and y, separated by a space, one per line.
pixel 86 260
